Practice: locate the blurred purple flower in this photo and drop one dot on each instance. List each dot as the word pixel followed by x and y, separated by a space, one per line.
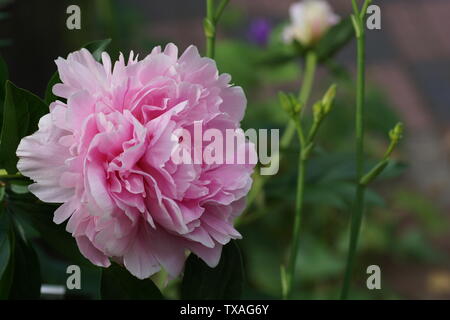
pixel 259 31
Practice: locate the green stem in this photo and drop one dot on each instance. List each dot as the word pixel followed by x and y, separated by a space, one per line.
pixel 210 24
pixel 11 176
pixel 308 80
pixel 298 215
pixel 354 235
pixel 221 9
pixel 358 208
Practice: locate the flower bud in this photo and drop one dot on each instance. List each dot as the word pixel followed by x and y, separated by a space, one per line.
pixel 289 103
pixel 328 99
pixel 396 133
pixel 310 20
pixel 318 111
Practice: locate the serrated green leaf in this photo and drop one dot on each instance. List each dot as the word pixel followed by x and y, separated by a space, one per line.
pixel 119 284
pixel 21 113
pixel 222 282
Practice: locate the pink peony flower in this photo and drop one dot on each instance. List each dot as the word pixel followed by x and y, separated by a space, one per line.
pixel 106 155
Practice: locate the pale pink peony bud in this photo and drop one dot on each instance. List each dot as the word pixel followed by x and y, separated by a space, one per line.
pixel 310 20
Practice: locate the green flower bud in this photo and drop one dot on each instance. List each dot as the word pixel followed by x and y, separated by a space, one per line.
pixel 289 103
pixel 318 111
pixel 328 99
pixel 397 133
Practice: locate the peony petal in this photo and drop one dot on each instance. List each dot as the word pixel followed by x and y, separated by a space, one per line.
pixel 93 254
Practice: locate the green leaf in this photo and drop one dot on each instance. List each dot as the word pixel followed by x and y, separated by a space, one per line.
pixel 336 38
pixel 49 96
pixel 21 113
pixel 26 283
pixel 97 47
pixel 3 78
pixel 222 282
pixel 118 284
pixel 26 207
pixel 5 243
pixel 7 277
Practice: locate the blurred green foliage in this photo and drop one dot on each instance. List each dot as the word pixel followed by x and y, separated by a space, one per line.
pixel 330 188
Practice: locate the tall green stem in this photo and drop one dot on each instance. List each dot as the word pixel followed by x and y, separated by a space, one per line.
pixel 210 29
pixel 298 213
pixel 358 207
pixel 210 24
pixel 305 92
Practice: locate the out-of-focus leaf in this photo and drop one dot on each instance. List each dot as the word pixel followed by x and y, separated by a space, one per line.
pixel 5 243
pixel 394 169
pixel 7 277
pixel 336 38
pixel 21 113
pixel 278 52
pixel 118 284
pixel 316 261
pixel 97 47
pixel 424 210
pixel 26 283
pixel 27 208
pixel 225 281
pixel 19 188
pixel 237 59
pixel 325 195
pixel 280 55
pixel 284 73
pixel 49 96
pixel 3 78
pixel 413 245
